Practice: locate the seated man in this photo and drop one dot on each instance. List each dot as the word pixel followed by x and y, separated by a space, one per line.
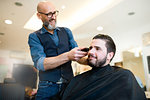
pixel 103 82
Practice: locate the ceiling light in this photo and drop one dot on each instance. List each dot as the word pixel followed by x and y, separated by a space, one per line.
pixel 63 7
pixel 34 23
pixel 99 28
pixel 7 21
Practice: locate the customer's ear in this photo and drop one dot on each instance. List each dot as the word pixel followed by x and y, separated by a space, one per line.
pixel 110 55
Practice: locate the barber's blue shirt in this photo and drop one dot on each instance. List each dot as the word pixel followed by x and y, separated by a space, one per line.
pixel 37 50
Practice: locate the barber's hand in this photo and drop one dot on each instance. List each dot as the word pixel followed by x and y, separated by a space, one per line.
pixel 76 54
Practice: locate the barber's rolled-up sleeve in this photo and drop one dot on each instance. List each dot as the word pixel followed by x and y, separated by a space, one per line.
pixel 37 51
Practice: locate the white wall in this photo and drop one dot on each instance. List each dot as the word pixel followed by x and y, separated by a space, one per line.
pixel 129 40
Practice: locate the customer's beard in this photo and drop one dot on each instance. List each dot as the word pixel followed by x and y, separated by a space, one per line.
pixel 97 63
pixel 49 26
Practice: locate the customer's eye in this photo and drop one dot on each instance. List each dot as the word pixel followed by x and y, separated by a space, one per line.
pixel 98 48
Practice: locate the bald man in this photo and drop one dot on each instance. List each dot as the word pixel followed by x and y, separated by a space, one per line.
pixel 52 50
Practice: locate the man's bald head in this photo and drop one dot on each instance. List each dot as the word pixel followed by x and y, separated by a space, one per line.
pixel 45 6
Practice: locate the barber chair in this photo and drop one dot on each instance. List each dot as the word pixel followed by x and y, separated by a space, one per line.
pixel 11 91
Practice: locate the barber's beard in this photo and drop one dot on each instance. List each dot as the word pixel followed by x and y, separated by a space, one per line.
pixel 98 63
pixel 49 26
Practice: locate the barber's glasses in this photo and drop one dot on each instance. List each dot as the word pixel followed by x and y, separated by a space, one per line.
pixel 50 14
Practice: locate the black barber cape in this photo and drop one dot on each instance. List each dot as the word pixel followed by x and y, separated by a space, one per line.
pixel 104 83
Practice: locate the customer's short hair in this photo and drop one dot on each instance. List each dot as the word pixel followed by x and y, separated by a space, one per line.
pixel 110 45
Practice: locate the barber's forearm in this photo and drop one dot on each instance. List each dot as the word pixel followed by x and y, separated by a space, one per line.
pixel 53 62
pixel 73 55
